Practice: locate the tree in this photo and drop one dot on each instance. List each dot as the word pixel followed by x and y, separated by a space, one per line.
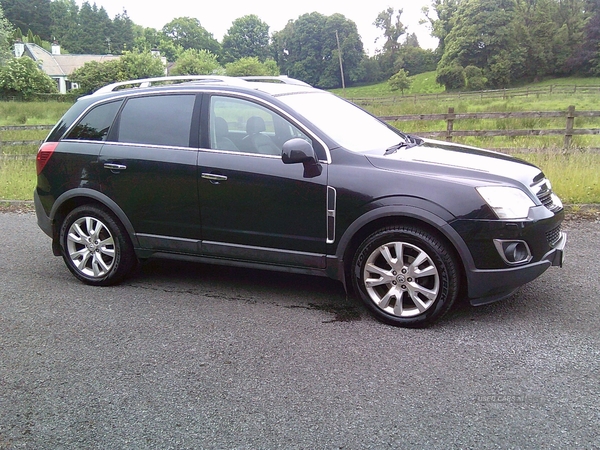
pixel 586 55
pixel 196 62
pixel 247 37
pixel 416 60
pixel 251 66
pixel 441 25
pixel 484 35
pixel 65 25
pixel 307 49
pixel 388 21
pixel 22 77
pixel 96 30
pixel 400 81
pixel 5 38
pixel 29 14
pixel 121 34
pixel 188 33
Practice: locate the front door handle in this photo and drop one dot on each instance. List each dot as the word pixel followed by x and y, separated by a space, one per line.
pixel 214 178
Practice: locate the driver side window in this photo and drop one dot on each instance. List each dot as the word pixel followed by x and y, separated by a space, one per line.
pixel 243 126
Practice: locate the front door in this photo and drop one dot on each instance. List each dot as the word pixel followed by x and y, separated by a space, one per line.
pixel 253 206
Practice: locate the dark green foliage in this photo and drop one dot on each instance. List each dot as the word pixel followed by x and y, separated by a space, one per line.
pixel 451 77
pixel 132 65
pixel 5 38
pixel 22 78
pixel 400 81
pixel 29 14
pixel 475 81
pixel 307 49
pixel 247 37
pixel 89 29
pixel 196 62
pixel 187 32
pixel 251 66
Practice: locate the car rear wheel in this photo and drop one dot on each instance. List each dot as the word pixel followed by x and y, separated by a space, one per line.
pixel 95 246
pixel 405 276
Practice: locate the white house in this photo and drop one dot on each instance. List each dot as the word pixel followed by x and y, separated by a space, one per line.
pixel 57 66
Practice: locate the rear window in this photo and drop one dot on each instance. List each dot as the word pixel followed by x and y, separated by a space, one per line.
pixel 164 120
pixel 94 126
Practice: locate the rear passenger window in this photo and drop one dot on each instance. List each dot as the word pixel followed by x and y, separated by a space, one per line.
pixel 157 120
pixel 95 124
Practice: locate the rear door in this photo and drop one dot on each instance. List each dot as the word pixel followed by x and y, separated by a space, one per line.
pixel 148 167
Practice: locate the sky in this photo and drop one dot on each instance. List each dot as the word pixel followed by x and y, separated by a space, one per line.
pixel 217 17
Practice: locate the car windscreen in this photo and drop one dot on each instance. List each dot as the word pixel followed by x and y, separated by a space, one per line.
pixel 345 123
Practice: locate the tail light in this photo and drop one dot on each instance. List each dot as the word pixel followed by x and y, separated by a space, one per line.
pixel 43 155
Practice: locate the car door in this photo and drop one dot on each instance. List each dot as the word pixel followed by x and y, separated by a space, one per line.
pixel 253 206
pixel 149 168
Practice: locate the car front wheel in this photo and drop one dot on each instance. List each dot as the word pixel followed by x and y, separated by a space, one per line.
pixel 405 276
pixel 95 246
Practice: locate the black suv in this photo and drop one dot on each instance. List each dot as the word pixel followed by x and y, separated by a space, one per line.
pixel 283 176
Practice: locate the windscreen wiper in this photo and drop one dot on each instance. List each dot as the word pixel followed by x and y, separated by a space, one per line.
pixel 409 142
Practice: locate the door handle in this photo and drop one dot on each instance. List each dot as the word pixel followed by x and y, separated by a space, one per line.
pixel 114 166
pixel 214 178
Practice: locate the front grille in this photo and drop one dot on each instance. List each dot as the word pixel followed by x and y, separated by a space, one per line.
pixel 553 236
pixel 543 191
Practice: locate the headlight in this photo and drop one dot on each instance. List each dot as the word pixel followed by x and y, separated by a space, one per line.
pixel 507 202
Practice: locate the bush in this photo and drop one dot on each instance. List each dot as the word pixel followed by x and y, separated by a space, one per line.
pixel 131 66
pixel 400 81
pixel 452 77
pixel 196 62
pixel 474 78
pixel 22 78
pixel 250 66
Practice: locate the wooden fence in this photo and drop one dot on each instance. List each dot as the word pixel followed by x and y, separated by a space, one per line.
pixel 449 133
pixel 561 90
pixel 451 117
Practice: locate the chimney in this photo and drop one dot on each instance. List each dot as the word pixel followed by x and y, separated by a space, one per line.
pixel 19 48
pixel 55 48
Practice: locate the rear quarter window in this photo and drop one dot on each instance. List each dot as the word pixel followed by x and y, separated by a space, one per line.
pixel 95 125
pixel 163 120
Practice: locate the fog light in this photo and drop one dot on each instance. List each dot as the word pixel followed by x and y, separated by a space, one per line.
pixel 513 252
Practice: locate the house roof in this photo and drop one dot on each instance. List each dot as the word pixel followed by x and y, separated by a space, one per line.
pixel 61 65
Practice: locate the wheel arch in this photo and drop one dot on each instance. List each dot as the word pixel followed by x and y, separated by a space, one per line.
pixel 82 196
pixel 387 216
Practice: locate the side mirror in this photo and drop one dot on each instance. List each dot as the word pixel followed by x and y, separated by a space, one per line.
pixel 298 150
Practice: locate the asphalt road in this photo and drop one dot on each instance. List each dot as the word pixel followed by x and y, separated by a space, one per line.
pixel 194 356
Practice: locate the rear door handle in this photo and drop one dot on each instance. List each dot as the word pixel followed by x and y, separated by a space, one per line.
pixel 114 166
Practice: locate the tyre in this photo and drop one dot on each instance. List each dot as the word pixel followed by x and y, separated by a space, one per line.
pixel 405 276
pixel 95 246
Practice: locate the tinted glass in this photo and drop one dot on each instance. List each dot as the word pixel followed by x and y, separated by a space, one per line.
pixel 157 120
pixel 95 124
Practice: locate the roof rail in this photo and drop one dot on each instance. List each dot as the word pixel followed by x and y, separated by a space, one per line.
pixel 281 79
pixel 147 82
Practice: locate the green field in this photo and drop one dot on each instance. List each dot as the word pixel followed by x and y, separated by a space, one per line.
pixel 575 173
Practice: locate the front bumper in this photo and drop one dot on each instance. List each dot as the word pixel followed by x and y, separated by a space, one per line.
pixel 490 285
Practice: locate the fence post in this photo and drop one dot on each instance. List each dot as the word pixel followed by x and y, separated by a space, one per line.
pixel 570 125
pixel 450 124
